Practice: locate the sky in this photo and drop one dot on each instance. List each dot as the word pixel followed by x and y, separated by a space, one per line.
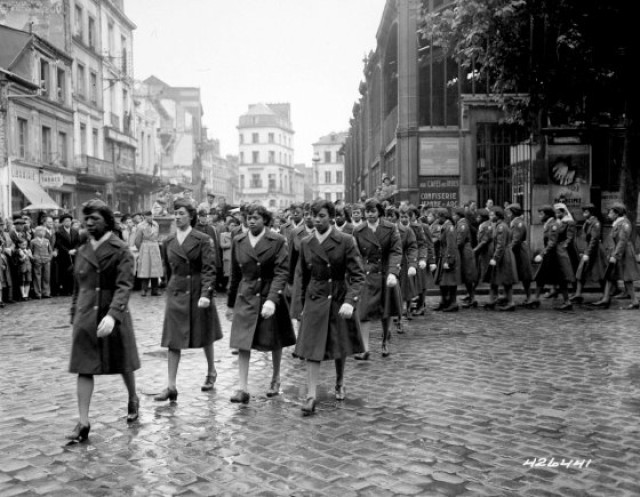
pixel 238 52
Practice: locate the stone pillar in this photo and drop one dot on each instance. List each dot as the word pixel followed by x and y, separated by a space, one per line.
pixel 407 155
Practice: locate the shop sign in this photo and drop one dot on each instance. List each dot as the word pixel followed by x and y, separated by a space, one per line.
pixel 51 180
pixel 439 191
pixel 439 156
pixel 570 175
pixel 23 172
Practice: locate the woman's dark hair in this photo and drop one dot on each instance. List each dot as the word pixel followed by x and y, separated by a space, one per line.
pixel 101 208
pixel 443 212
pixel 392 211
pixel 373 203
pixel 483 214
pixel 193 214
pixel 148 213
pixel 344 211
pixel 320 204
pixel 459 211
pixel 261 210
pixel 498 211
pixel 358 206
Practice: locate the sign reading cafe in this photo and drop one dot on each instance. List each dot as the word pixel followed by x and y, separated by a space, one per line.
pixel 439 191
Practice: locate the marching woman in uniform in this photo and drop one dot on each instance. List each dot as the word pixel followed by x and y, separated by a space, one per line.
pixel 555 261
pixel 426 259
pixel 381 250
pixel 331 277
pixel 190 319
pixel 103 341
pixel 502 270
pixel 484 249
pixel 622 265
pixel 593 263
pixel 256 305
pixel 448 273
pixel 400 217
pixel 468 267
pixel 543 273
pixel 520 248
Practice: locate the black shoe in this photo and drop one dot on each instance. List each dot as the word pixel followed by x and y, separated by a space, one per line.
pixel 79 434
pixel 439 307
pixel 234 351
pixel 167 394
pixel 399 329
pixel 132 410
pixel 623 296
pixel 418 312
pixel 362 357
pixel 489 306
pixel 469 304
pixel 208 382
pixel 632 306
pixel 576 299
pixel 341 392
pixel 274 389
pixel 534 304
pixel 240 397
pixel 507 308
pixel 309 407
pixel 566 306
pixel 144 293
pixel 601 304
pixel 385 350
pixel 451 308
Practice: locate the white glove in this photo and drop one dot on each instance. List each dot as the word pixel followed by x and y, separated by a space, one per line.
pixel 492 262
pixel 106 326
pixel 537 259
pixel 445 265
pixel 612 260
pixel 432 267
pixel 229 314
pixel 268 308
pixel 392 280
pixel 411 271
pixel 204 302
pixel 422 264
pixel 585 258
pixel 346 311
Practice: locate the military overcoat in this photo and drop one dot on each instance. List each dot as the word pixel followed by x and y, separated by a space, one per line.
pixel 331 274
pixel 504 272
pixel 484 249
pixel 468 267
pixel 520 249
pixel 191 273
pixel 409 259
pixel 626 268
pixel 450 255
pixel 595 268
pixel 103 283
pixel 259 274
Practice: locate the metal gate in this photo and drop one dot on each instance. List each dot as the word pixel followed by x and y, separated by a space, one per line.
pixel 504 159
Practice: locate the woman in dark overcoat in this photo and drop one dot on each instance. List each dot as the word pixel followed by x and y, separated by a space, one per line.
pixel 483 251
pixel 502 267
pixel 594 259
pixel 295 238
pixel 380 247
pixel 468 267
pixel 520 248
pixel 544 262
pixel 331 275
pixel 622 264
pixel 409 265
pixel 255 303
pixel 190 318
pixel 103 341
pixel 426 259
pixel 448 275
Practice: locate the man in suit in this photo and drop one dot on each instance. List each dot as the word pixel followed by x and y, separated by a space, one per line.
pixel 67 241
pixel 296 212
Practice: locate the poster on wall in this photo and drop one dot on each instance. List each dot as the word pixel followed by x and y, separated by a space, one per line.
pixel 439 191
pixel 439 156
pixel 570 175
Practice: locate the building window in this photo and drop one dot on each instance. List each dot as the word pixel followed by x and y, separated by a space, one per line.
pixel 124 54
pixel 44 77
pixel 46 145
pixel 241 181
pixel 23 137
pixel 62 85
pixel 256 181
pixel 327 176
pixel 93 89
pixel 339 179
pixel 111 39
pixel 77 22
pixel 338 195
pixel 62 148
pixel 241 138
pixel 83 139
pixel 255 138
pixel 272 182
pixel 94 142
pixel 327 157
pixel 241 157
pixel 327 195
pixel 92 32
pixel 256 157
pixel 81 84
pixel 271 138
pixel 272 157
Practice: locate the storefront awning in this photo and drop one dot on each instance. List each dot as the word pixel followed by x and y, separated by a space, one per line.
pixel 40 199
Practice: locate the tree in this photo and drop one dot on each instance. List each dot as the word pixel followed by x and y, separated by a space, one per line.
pixel 550 63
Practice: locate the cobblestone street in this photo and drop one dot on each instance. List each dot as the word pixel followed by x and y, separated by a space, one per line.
pixel 465 405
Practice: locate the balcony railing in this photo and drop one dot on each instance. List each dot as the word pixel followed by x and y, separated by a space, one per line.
pixel 115 121
pixel 94 167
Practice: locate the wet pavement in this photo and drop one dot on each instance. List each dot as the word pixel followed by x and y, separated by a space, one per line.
pixel 472 403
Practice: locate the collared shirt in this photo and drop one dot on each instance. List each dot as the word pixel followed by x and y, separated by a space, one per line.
pixel 323 236
pixel 373 227
pixel 310 231
pixel 253 240
pixel 244 228
pixel 619 220
pixel 181 235
pixel 96 243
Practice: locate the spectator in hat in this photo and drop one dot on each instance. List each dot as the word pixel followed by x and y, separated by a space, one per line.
pixel 149 267
pixel 208 204
pixel 187 195
pixel 67 242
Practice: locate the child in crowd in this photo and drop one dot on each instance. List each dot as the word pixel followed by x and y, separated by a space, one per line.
pixel 24 257
pixel 42 252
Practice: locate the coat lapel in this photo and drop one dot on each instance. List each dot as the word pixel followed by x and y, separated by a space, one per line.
pixel 245 245
pixel 318 249
pixel 87 253
pixel 370 236
pixel 174 247
pixel 190 243
pixel 105 249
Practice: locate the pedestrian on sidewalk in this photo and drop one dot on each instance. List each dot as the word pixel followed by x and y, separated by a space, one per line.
pixel 103 341
pixel 381 249
pixel 42 254
pixel 331 275
pixel 256 305
pixel 149 258
pixel 190 318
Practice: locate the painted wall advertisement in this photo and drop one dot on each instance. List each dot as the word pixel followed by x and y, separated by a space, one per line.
pixel 439 191
pixel 439 156
pixel 570 175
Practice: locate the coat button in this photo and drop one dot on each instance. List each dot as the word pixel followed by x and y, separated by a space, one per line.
pixel 329 280
pixel 259 279
pixel 329 297
pixel 257 294
pixel 258 263
pixel 98 289
pixel 188 276
pixel 95 307
pixel 187 292
pixel 328 265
